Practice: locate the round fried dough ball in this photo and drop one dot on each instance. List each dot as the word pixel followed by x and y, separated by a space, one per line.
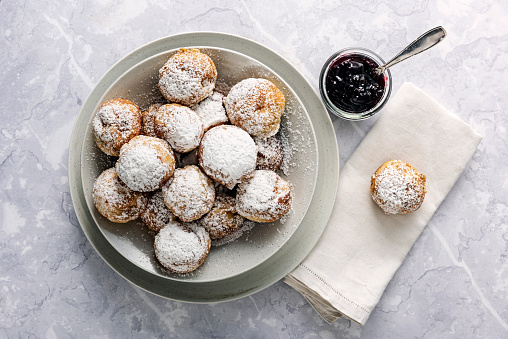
pixel 145 163
pixel 188 77
pixel 265 197
pixel 116 122
pixel 223 219
pixel 180 126
pixel 157 214
pixel 189 194
pixel 114 200
pixel 182 247
pixel 227 154
pixel 255 105
pixel 397 187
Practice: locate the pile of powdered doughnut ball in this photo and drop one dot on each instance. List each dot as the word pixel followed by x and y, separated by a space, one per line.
pixel 195 168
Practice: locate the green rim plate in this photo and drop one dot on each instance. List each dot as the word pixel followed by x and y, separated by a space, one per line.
pixel 291 253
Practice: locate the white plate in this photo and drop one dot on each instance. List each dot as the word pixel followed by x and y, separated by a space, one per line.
pixel 267 252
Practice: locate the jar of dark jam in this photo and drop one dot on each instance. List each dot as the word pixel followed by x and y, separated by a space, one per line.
pixel 350 87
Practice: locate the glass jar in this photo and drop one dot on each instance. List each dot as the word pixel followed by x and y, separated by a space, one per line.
pixel 349 86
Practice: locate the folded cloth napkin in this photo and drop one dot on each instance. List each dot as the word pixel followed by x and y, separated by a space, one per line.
pixel 361 247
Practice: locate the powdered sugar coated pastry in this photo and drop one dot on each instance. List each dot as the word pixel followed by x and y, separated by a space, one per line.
pixel 256 105
pixel 187 77
pixel 397 187
pixel 114 200
pixel 189 194
pixel 265 197
pixel 148 120
pixel 227 154
pixel 222 220
pixel 157 214
pixel 182 248
pixel 145 163
pixel 269 153
pixel 180 126
pixel 115 123
pixel 211 111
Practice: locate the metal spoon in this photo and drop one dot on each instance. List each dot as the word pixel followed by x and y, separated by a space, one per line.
pixel 423 43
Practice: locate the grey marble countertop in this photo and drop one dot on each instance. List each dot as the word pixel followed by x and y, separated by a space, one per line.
pixel 453 283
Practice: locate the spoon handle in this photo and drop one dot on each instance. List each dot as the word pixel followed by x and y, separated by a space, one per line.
pixel 423 43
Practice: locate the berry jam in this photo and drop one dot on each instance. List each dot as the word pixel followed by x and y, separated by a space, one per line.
pixel 352 85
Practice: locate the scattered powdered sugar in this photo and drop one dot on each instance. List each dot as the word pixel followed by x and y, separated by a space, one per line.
pixel 190 194
pixel 296 139
pixel 157 214
pixel 180 126
pixel 288 151
pixel 181 248
pixel 211 111
pixel 397 188
pixel 228 154
pixel 140 165
pixel 187 77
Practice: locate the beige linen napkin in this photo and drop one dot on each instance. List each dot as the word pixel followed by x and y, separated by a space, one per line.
pixel 361 247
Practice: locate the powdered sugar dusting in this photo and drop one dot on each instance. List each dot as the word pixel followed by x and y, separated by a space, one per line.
pixel 149 120
pixel 181 248
pixel 264 197
pixel 227 154
pixel 211 111
pixel 222 219
pixel 180 126
pixel 398 188
pixel 157 214
pixel 190 194
pixel 269 153
pixel 255 105
pixel 115 200
pixel 115 123
pixel 143 164
pixel 222 87
pixel 295 143
pixel 259 192
pixel 187 77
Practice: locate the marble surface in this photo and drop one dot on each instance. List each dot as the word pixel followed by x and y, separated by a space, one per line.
pixel 453 283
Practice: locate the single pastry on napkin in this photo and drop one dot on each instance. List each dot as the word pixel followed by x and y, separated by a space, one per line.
pixel 362 247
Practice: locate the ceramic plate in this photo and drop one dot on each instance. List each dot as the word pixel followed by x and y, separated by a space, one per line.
pixel 300 165
pixel 268 251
